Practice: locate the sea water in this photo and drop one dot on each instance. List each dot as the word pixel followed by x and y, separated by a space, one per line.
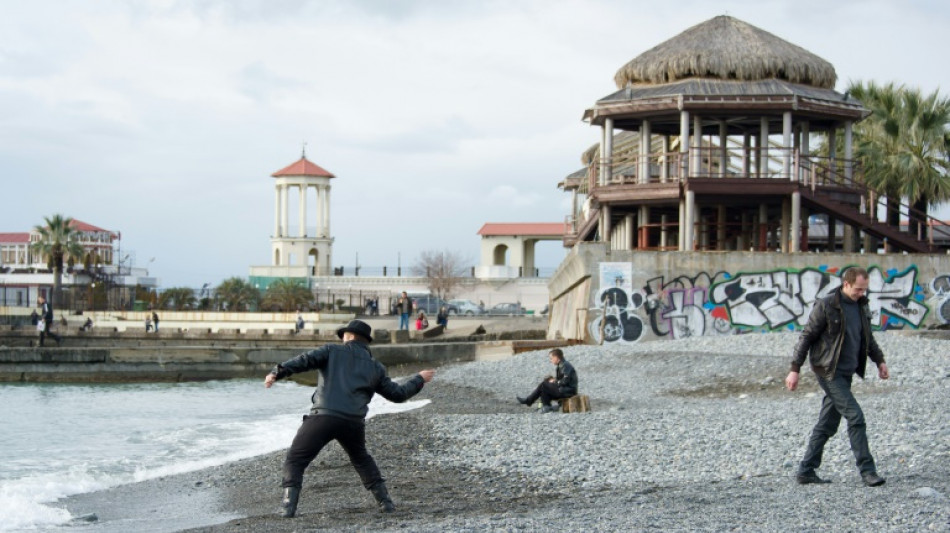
pixel 61 439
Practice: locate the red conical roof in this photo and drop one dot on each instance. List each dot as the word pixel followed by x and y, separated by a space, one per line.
pixel 303 167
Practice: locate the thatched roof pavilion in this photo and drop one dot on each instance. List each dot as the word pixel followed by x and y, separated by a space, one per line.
pixel 725 48
pixel 706 145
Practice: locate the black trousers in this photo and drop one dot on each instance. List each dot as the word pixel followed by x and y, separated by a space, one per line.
pixel 315 433
pixel 547 391
pixel 47 333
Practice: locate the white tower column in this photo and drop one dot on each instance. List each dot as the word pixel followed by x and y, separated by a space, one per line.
pixel 326 209
pixel 284 215
pixel 277 211
pixel 302 216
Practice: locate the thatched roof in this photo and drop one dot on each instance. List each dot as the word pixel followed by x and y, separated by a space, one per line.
pixel 729 49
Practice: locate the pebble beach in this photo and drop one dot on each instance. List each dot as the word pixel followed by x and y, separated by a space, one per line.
pixel 689 435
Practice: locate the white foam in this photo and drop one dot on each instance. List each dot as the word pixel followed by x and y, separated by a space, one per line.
pixel 22 501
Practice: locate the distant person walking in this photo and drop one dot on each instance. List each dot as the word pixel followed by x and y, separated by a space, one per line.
pixel 563 384
pixel 298 326
pixel 837 340
pixel 148 323
pixel 46 312
pixel 404 307
pixel 442 318
pixel 349 378
pixel 155 321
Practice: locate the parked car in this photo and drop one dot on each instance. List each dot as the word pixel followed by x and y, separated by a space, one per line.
pixel 431 304
pixel 506 309
pixel 464 307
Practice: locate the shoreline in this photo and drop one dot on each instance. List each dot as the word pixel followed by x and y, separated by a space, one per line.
pixel 683 436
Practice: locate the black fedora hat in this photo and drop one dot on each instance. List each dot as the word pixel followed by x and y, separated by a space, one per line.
pixel 358 327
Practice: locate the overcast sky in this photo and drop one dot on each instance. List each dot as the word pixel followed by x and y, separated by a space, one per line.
pixel 164 120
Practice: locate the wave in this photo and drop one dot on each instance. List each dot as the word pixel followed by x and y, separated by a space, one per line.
pixel 25 501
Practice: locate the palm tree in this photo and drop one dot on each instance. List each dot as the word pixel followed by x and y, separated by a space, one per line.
pixel 177 298
pixel 237 294
pixel 287 295
pixel 904 146
pixel 58 243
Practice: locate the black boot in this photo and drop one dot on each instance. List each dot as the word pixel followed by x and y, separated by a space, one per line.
pixel 382 498
pixel 289 503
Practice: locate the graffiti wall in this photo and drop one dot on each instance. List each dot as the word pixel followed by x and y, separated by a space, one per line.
pixel 628 308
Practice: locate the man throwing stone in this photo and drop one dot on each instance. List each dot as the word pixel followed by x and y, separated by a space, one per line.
pixel 838 342
pixel 349 377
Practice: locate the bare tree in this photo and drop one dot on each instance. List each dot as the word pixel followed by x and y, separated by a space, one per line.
pixel 443 270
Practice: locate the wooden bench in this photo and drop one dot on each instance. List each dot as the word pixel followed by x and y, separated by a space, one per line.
pixel 575 404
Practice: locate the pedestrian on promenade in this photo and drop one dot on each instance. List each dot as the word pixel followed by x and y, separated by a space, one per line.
pixel 349 378
pixel 838 342
pixel 46 312
pixel 404 307
pixel 298 326
pixel 442 318
pixel 148 322
pixel 155 321
pixel 563 384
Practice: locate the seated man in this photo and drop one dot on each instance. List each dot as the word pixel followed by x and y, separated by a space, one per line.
pixel 562 385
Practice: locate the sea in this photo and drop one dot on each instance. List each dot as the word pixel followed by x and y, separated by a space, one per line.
pixel 57 440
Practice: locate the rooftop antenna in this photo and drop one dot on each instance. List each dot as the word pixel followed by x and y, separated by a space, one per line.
pixel 303 151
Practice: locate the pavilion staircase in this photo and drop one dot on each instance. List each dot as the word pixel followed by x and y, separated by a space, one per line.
pixel 824 189
pixel 826 203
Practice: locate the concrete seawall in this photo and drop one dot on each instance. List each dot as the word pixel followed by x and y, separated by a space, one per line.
pixel 124 364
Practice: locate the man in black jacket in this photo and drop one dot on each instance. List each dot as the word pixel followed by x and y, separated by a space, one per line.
pixel 562 385
pixel 47 314
pixel 349 377
pixel 838 342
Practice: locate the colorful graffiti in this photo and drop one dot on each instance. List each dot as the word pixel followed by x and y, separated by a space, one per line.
pixel 722 304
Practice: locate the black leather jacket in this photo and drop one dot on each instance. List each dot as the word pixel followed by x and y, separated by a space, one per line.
pixel 349 376
pixel 566 378
pixel 823 337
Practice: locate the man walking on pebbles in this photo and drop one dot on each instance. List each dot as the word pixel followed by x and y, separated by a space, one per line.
pixel 349 377
pixel 838 342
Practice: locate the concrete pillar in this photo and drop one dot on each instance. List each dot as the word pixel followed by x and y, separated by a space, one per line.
pixel 681 226
pixel 746 155
pixel 687 224
pixel 743 237
pixel 697 144
pixel 723 149
pixel 762 238
pixel 785 224
pixel 605 223
pixel 284 215
pixel 302 216
pixel 277 211
pixel 645 149
pixel 665 159
pixel 574 210
pixel 684 149
pixel 795 231
pixel 326 210
pixel 787 145
pixel 847 239
pixel 763 158
pixel 607 153
pixel 629 233
pixel 664 234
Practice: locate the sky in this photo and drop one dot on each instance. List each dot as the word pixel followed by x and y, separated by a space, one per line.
pixel 164 120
